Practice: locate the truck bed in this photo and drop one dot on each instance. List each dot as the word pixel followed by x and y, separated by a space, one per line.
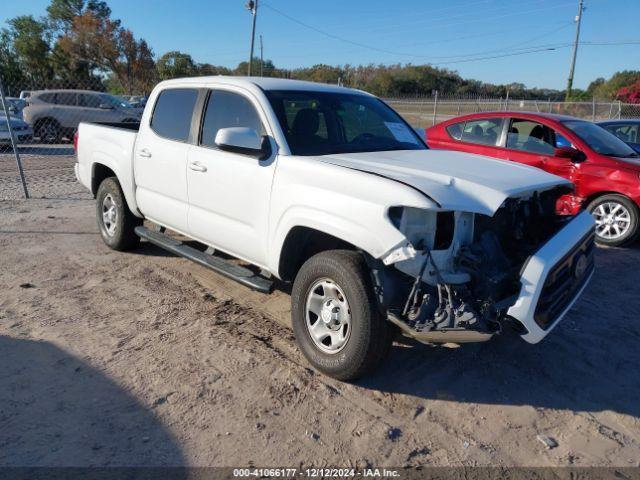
pixel 134 126
pixel 109 145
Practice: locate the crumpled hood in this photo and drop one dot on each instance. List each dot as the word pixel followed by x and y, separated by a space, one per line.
pixel 455 180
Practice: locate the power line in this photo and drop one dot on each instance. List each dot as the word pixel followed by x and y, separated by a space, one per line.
pixel 381 50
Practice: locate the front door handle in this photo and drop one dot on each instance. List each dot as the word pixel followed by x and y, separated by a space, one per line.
pixel 144 153
pixel 197 167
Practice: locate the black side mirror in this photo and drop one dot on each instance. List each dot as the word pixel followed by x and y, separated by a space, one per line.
pixel 576 156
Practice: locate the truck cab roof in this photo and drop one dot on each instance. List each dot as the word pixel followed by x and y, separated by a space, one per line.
pixel 264 83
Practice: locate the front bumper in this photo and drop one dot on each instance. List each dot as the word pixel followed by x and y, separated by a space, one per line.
pixel 554 277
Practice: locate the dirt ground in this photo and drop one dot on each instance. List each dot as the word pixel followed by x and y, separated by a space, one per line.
pixel 144 358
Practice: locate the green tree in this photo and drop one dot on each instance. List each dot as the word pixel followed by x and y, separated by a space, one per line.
pixel 28 38
pixel 268 68
pixel 175 64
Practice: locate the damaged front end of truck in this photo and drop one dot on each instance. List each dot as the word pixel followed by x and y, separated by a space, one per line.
pixel 461 276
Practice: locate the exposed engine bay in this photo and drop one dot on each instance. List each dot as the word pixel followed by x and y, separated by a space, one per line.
pixel 460 271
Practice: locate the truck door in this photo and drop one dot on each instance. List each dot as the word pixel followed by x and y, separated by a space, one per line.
pixel 229 193
pixel 160 158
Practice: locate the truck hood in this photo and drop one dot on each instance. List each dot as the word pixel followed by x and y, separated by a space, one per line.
pixel 454 180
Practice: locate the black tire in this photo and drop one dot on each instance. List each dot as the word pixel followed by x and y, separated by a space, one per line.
pixel 631 233
pixel 118 234
pixel 370 335
pixel 48 130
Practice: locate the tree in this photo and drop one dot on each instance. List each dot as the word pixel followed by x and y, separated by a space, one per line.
pixel 175 64
pixel 11 73
pixel 28 37
pixel 61 13
pixel 111 48
pixel 608 89
pixel 208 69
pixel 268 68
pixel 630 93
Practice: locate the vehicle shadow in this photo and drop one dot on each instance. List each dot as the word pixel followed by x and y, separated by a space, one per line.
pixel 56 410
pixel 586 364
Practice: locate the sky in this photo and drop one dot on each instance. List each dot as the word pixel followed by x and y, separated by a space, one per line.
pixel 460 35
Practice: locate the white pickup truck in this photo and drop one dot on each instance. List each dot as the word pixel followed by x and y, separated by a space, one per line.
pixel 330 189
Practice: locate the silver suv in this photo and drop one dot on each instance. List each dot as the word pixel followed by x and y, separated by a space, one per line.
pixel 55 114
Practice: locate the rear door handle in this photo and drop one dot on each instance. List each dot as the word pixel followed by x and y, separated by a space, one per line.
pixel 197 167
pixel 144 153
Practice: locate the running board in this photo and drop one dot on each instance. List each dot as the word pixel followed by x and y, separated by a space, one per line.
pixel 235 272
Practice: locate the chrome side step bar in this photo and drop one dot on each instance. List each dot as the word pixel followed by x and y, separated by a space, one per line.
pixel 219 265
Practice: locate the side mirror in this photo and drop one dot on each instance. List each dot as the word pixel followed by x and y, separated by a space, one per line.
pixel 243 140
pixel 105 106
pixel 570 153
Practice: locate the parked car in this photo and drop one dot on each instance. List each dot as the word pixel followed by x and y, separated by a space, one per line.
pixel 604 169
pixel 331 189
pixel 13 106
pixel 23 132
pixel 19 105
pixel 625 130
pixel 55 114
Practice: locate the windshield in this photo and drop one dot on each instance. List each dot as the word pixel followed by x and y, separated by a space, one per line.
pixel 324 123
pixel 113 101
pixel 602 141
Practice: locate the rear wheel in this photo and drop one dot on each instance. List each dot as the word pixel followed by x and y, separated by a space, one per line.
pixel 48 130
pixel 116 222
pixel 616 220
pixel 335 315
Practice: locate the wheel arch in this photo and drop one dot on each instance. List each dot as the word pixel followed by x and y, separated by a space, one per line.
pixel 102 169
pixel 301 243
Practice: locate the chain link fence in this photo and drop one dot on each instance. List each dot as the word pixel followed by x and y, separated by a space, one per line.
pixel 426 111
pixel 44 117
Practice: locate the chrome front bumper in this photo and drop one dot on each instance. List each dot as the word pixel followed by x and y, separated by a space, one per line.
pixel 562 257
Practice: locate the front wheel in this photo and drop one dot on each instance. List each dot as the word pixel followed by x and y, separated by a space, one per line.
pixel 616 220
pixel 116 222
pixel 335 315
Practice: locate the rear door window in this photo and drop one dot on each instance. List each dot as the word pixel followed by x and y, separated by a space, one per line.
pixel 66 98
pixel 89 101
pixel 173 113
pixel 483 131
pixel 530 136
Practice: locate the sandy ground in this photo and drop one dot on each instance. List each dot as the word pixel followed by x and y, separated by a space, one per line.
pixel 144 358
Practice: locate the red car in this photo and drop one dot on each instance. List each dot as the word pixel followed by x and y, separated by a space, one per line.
pixel 604 169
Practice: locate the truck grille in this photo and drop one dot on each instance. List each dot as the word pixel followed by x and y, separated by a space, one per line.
pixel 564 281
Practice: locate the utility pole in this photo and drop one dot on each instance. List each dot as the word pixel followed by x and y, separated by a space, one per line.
pixel 261 57
pixel 575 49
pixel 252 6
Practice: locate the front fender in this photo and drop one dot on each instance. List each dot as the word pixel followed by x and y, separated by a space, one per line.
pixel 376 241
